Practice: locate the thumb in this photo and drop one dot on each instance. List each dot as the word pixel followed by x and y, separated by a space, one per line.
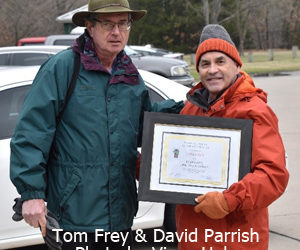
pixel 200 200
pixel 42 223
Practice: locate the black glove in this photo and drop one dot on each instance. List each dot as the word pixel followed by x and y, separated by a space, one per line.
pixel 17 207
pixel 50 238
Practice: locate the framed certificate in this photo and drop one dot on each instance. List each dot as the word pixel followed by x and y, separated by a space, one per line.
pixel 186 156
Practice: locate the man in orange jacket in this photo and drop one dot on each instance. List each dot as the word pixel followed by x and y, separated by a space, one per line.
pixel 236 218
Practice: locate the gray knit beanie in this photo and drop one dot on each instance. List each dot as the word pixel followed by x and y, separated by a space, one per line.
pixel 215 37
pixel 215 31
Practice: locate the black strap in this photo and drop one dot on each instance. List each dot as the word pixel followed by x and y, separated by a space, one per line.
pixel 81 42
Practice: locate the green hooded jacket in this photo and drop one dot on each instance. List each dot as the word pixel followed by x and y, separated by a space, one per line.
pixel 91 183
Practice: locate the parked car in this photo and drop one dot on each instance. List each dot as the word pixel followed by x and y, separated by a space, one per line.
pixel 27 55
pixel 171 68
pixel 14 84
pixel 67 39
pixel 36 40
pixel 148 50
pixel 174 69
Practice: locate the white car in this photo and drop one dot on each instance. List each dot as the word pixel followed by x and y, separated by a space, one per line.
pixel 14 84
pixel 27 55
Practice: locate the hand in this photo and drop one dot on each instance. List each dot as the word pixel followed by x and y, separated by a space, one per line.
pixel 34 213
pixel 213 205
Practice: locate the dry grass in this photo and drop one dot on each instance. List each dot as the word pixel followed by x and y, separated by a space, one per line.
pixel 283 61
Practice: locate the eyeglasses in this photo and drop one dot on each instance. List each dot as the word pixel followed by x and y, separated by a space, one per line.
pixel 109 26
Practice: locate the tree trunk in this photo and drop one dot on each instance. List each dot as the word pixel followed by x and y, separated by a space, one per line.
pixel 216 9
pixel 205 11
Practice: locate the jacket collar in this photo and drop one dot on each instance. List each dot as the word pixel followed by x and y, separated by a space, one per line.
pixel 242 88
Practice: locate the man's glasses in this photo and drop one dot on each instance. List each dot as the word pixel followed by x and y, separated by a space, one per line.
pixel 109 26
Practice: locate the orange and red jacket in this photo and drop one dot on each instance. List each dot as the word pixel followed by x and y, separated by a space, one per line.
pixel 249 198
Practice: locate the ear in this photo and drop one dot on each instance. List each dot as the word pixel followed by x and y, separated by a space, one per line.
pixel 89 27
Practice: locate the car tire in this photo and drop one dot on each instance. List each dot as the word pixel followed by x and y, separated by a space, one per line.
pixel 169 218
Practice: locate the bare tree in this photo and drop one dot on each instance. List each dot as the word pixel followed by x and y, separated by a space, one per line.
pixel 23 18
pixel 290 15
pixel 190 6
pixel 211 12
pixel 243 10
pixel 253 17
pixel 266 21
pixel 206 11
pixel 215 11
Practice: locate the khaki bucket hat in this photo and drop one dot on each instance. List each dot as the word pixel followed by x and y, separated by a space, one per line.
pixel 106 6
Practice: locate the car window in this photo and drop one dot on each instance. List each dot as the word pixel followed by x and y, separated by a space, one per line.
pixel 31 44
pixel 130 52
pixel 29 59
pixel 67 42
pixel 3 59
pixel 11 101
pixel 154 96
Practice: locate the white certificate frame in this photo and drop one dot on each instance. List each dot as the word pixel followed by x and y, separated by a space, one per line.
pixel 186 156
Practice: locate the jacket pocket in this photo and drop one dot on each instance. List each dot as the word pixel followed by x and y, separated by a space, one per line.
pixel 70 187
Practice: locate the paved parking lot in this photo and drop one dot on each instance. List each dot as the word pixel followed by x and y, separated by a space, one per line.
pixel 283 97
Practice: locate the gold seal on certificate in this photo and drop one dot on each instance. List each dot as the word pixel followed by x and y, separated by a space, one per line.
pixel 184 156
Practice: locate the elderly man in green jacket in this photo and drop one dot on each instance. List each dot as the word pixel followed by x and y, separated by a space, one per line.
pixel 89 182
